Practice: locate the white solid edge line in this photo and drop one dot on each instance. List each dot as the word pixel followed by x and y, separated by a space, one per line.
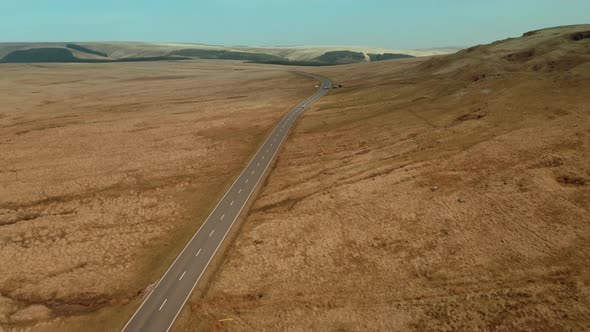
pixel 224 236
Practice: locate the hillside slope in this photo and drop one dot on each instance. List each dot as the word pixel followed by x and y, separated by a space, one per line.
pixel 438 194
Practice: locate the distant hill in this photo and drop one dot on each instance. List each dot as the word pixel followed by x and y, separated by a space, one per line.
pixel 342 57
pixel 54 54
pixel 48 54
pixel 134 51
pixel 226 55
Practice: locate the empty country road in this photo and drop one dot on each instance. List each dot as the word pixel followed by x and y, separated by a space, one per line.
pixel 162 306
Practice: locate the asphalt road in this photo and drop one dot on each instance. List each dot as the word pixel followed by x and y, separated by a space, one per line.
pixel 163 305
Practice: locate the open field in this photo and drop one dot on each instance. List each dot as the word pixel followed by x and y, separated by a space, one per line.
pixel 106 170
pixel 441 194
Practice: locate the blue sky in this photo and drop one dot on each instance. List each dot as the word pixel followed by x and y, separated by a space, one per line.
pixel 379 23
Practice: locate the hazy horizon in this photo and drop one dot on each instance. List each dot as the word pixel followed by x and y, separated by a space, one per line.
pixel 381 24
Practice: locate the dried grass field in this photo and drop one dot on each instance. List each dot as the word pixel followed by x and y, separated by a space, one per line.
pixel 106 170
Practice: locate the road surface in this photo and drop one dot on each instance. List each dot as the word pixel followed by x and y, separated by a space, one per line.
pixel 162 306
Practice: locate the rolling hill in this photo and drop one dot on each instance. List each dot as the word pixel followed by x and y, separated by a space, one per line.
pixel 136 51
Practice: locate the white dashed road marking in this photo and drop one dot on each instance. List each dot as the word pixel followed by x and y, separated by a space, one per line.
pixel 232 203
pixel 162 306
pixel 182 276
pixel 198 252
pixel 211 233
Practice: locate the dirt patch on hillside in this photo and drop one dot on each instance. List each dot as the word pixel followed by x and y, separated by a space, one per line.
pixel 520 56
pixel 395 207
pixel 106 171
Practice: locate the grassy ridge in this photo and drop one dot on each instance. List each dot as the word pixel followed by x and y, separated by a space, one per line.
pixel 65 55
pixel 57 54
pixel 40 55
pixel 227 55
pixel 341 57
pixel 388 56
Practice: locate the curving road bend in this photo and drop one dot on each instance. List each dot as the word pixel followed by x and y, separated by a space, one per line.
pixel 162 306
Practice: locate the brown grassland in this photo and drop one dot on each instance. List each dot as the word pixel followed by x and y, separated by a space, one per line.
pixel 441 194
pixel 106 170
